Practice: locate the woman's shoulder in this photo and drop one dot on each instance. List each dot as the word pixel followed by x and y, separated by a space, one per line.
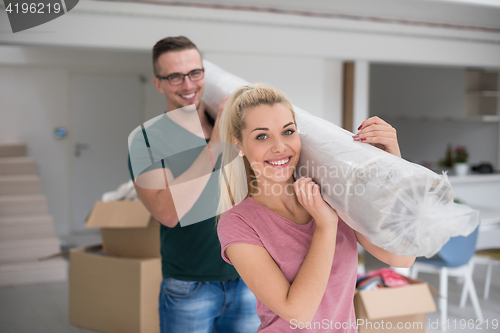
pixel 242 211
pixel 238 223
pixel 248 214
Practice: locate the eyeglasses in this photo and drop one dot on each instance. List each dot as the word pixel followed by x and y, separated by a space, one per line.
pixel 176 79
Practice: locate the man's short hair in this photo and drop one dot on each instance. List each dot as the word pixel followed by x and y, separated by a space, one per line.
pixel 170 44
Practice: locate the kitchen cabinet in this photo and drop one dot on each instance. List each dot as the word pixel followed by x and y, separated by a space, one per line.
pixel 435 106
pixel 482 94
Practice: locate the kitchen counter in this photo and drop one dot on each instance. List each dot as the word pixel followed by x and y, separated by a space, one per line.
pixel 475 178
pixel 481 192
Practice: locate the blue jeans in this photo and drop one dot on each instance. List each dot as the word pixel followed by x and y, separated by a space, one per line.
pixel 207 307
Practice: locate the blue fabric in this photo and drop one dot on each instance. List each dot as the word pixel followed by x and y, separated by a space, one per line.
pixel 434 261
pixel 459 250
pixel 456 252
pixel 207 307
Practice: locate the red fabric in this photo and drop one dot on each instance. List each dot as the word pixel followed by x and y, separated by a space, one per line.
pixel 390 278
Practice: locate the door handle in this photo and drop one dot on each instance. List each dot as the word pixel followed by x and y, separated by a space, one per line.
pixel 79 147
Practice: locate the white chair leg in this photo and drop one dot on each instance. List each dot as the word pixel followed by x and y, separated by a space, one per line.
pixel 465 293
pixel 473 295
pixel 487 282
pixel 443 301
pixel 469 268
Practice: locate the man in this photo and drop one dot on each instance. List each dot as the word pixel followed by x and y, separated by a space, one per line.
pixel 199 291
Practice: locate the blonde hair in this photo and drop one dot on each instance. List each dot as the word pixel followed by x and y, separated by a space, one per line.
pixel 236 174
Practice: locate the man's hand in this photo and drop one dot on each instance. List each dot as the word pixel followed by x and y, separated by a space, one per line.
pixel 381 134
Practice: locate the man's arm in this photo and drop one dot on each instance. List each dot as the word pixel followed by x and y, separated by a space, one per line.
pixel 159 202
pixel 186 188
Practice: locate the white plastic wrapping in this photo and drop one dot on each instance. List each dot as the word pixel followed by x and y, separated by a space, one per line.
pixel 400 206
pixel 126 191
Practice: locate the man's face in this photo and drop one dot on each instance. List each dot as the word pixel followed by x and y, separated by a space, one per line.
pixel 187 93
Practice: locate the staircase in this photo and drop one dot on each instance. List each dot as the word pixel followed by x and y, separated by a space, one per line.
pixel 26 228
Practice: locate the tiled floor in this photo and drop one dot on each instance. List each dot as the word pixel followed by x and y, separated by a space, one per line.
pixel 43 308
pixel 490 307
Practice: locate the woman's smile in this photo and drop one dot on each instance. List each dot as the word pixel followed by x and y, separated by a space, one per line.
pixel 281 162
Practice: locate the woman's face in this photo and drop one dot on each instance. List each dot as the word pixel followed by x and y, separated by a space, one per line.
pixel 271 142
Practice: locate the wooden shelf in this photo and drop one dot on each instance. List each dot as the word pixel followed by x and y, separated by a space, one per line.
pixel 482 93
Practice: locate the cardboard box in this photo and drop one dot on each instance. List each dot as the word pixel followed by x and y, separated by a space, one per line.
pixel 382 309
pixel 127 228
pixel 110 294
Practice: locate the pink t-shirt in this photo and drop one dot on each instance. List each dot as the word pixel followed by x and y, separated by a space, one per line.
pixel 288 243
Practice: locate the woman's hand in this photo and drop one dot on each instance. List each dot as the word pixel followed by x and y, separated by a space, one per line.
pixel 299 300
pixel 309 196
pixel 381 134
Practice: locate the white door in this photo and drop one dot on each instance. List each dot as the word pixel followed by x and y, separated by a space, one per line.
pixel 105 109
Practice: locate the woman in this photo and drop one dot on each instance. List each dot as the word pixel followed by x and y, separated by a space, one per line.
pixel 288 245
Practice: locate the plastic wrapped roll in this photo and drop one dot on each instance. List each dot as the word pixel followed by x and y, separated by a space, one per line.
pixel 399 206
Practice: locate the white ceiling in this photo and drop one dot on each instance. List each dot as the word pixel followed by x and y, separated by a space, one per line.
pixel 453 14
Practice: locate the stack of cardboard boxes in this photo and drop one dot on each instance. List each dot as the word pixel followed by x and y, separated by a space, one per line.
pixel 117 290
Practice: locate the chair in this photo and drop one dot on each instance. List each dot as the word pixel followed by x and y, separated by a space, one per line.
pixel 454 259
pixel 490 258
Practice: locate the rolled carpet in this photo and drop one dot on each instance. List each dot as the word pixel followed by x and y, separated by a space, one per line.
pixel 399 206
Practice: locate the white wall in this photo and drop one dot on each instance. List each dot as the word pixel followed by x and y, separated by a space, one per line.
pixel 155 103
pixel 313 84
pixel 34 102
pixel 417 91
pixel 35 98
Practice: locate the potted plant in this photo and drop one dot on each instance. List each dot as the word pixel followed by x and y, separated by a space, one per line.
pixel 461 157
